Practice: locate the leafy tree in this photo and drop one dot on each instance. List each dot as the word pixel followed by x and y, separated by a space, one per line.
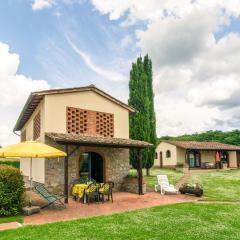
pixel 230 137
pixel 143 123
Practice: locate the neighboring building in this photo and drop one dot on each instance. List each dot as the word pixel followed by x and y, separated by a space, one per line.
pixel 89 124
pixel 193 154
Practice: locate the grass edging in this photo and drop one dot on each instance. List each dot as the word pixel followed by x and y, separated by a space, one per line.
pixel 18 218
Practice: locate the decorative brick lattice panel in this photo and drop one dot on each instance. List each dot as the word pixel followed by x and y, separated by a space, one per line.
pixel 23 136
pixel 37 126
pixel 105 124
pixel 82 121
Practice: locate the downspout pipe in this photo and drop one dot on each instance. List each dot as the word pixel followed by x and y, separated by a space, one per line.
pixel 16 133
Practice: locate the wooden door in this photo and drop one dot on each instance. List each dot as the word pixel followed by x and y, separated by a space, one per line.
pixel 161 160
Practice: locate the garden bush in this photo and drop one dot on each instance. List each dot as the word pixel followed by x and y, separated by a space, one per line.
pixel 14 163
pixel 11 191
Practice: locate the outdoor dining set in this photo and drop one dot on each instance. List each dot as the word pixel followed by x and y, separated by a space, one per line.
pixel 88 189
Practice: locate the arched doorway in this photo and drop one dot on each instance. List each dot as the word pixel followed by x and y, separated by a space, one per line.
pixel 194 159
pixel 91 165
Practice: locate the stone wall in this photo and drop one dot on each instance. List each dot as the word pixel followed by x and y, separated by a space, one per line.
pixel 116 166
pixel 130 184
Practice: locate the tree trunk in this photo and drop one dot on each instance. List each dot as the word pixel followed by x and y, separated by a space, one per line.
pixel 148 171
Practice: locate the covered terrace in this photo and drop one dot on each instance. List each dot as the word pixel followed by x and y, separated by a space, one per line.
pixel 72 142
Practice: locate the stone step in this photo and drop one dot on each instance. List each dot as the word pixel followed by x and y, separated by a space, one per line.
pixel 10 225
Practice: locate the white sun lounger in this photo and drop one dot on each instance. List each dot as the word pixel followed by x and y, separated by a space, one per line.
pixel 164 186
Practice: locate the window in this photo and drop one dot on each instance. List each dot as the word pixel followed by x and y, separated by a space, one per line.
pixel 168 154
pixel 156 155
pixel 37 126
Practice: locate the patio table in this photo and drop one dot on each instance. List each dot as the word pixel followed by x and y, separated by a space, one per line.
pixel 79 190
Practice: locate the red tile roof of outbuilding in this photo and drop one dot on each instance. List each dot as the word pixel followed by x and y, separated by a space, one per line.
pixel 203 145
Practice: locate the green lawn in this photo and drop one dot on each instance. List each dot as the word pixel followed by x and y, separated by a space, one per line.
pixel 151 180
pixel 189 221
pixel 11 219
pixel 219 185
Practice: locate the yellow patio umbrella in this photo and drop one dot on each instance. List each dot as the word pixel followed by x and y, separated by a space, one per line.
pixel 31 149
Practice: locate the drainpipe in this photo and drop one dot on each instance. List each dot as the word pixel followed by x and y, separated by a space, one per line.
pixel 16 133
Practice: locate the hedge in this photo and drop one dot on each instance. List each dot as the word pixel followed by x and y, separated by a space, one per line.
pixel 12 191
pixel 13 163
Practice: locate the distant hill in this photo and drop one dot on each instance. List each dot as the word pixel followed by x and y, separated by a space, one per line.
pixel 231 137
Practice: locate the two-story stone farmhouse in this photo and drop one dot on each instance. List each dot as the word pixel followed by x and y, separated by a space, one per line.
pixel 88 124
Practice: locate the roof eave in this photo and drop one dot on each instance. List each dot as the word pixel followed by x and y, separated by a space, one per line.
pixel 202 149
pixel 88 142
pixel 17 126
pixel 87 88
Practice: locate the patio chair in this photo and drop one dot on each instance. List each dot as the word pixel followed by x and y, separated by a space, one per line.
pixel 164 186
pixel 91 180
pixel 106 190
pixel 74 182
pixel 84 180
pixel 92 192
pixel 52 199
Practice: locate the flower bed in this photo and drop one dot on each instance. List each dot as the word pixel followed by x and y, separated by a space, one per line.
pixel 191 188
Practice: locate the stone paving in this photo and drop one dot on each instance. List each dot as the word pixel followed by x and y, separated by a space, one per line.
pixel 184 179
pixel 10 225
pixel 123 201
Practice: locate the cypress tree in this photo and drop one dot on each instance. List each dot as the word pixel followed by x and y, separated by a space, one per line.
pixel 142 124
pixel 138 121
pixel 152 137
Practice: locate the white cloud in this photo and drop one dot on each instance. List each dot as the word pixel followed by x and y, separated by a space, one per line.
pixel 221 59
pixel 154 10
pixel 141 9
pixel 196 76
pixel 42 4
pixel 168 78
pixel 107 74
pixel 214 90
pixel 15 89
pixel 177 116
pixel 173 41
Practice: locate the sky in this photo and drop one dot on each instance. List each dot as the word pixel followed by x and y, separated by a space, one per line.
pixel 194 46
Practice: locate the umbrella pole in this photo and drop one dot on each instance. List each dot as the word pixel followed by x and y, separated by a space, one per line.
pixel 30 193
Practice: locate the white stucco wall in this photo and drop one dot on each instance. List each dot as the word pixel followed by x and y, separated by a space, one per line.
pixel 53 119
pixel 164 147
pixel 55 111
pixel 181 155
pixel 38 165
pixel 38 168
pixel 178 155
pixel 232 159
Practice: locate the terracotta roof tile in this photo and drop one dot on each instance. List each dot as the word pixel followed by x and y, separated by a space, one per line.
pixel 203 145
pixel 97 141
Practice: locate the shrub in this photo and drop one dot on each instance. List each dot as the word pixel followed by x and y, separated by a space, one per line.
pixel 11 191
pixel 14 163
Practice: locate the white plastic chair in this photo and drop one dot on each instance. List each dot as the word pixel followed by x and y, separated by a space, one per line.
pixel 164 186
